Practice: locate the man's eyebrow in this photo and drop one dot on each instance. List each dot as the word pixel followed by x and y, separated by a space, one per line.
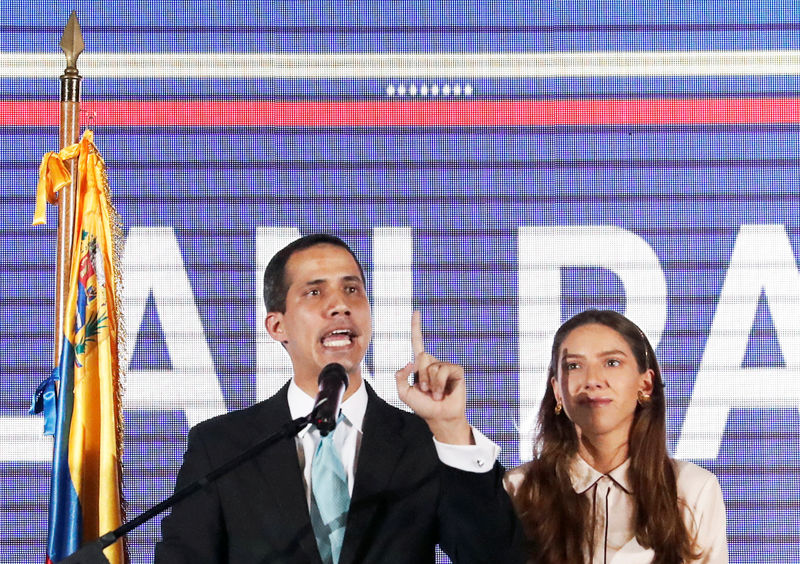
pixel 347 278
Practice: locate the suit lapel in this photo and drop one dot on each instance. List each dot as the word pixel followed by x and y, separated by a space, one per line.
pixel 283 477
pixel 381 449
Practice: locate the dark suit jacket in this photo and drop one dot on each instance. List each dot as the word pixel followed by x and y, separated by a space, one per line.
pixel 404 500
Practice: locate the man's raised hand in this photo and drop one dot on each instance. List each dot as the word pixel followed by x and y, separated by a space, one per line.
pixel 438 393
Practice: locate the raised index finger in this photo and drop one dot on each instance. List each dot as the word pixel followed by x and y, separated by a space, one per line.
pixel 416 334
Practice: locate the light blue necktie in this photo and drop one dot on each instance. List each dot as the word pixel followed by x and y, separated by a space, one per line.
pixel 330 500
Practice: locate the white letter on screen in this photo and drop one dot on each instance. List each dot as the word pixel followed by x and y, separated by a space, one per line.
pixel 273 367
pixel 152 264
pixel 543 251
pixel 392 291
pixel 762 260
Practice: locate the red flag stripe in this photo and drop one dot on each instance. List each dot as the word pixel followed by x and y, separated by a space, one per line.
pixel 415 113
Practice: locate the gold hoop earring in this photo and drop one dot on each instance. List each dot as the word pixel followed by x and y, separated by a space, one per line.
pixel 558 408
pixel 642 398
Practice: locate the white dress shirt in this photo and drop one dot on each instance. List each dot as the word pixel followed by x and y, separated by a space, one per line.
pixel 611 505
pixel 347 436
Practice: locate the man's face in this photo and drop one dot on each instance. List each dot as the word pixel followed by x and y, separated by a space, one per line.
pixel 327 317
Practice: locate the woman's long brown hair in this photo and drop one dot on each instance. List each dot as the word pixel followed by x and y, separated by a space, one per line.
pixel 556 518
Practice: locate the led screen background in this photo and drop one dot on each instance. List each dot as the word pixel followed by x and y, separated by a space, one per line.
pixel 634 155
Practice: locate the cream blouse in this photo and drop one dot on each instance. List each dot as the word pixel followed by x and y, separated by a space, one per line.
pixel 612 508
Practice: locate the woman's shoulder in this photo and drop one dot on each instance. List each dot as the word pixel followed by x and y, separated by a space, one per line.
pixel 703 510
pixel 514 477
pixel 688 472
pixel 694 482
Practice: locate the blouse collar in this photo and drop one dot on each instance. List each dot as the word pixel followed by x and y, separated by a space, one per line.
pixel 583 476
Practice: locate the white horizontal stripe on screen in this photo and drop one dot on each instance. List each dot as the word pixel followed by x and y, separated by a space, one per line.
pixel 399 65
pixel 22 440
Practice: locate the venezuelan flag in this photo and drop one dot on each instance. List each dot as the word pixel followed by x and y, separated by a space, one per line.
pixel 86 417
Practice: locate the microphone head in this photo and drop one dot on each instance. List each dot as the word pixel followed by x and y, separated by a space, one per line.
pixel 333 374
pixel 333 381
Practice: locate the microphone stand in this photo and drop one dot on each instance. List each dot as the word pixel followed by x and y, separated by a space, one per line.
pixel 92 552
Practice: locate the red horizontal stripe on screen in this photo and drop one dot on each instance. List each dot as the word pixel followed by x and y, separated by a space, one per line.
pixel 416 113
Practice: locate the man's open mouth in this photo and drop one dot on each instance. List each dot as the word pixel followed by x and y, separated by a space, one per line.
pixel 338 338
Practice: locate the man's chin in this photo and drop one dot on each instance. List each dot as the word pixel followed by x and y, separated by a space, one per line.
pixel 351 366
pixel 345 354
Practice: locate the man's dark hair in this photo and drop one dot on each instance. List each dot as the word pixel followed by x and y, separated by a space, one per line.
pixel 275 285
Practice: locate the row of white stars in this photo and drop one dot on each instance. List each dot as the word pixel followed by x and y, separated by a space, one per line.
pixel 432 90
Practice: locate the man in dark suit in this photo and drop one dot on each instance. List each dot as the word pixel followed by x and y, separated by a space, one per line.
pixel 407 492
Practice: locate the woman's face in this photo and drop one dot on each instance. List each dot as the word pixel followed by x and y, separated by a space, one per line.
pixel 598 380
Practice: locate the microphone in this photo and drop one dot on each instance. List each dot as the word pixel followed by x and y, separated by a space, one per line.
pixel 333 382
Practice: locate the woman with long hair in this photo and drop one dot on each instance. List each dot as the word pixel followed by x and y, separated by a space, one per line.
pixel 601 487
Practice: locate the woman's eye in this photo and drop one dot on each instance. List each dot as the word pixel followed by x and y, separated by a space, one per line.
pixel 613 362
pixel 572 365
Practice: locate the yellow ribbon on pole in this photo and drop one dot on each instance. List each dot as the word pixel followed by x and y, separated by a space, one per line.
pixel 54 175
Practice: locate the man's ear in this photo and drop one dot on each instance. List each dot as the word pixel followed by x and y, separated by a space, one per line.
pixel 274 325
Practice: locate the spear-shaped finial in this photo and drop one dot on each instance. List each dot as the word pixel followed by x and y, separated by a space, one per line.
pixel 72 44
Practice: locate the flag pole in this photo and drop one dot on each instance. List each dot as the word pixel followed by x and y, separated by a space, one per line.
pixel 68 134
